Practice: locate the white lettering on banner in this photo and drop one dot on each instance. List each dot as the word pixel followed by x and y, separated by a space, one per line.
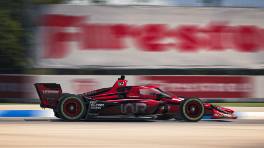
pixel 181 39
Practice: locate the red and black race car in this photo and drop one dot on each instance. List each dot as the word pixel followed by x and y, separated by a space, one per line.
pixel 121 100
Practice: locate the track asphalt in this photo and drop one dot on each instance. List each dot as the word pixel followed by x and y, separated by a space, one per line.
pixel 110 133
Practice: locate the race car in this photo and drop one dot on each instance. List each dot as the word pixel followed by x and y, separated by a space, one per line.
pixel 123 101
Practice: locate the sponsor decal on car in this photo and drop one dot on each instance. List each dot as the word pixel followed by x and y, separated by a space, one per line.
pixel 50 91
pixel 96 106
pixel 132 108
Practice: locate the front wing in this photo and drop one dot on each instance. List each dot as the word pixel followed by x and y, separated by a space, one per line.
pixel 218 112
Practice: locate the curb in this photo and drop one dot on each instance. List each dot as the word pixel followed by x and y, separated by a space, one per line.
pixel 49 113
pixel 250 115
pixel 26 113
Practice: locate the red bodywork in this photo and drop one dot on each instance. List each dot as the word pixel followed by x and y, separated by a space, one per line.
pixel 121 99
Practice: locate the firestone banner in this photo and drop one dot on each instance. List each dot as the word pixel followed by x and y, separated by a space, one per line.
pixel 150 37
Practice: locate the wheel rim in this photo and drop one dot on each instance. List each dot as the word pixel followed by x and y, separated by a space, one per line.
pixel 193 109
pixel 72 107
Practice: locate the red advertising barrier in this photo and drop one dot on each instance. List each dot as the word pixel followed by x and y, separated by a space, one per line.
pixel 21 87
pixel 204 86
pixel 15 86
pixel 83 85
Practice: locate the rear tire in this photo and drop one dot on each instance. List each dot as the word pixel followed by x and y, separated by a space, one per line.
pixel 56 114
pixel 55 110
pixel 71 108
pixel 192 109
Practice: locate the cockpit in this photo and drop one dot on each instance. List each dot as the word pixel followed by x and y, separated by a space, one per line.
pixel 153 92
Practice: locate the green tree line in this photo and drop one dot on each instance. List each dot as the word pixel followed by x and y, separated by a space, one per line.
pixel 15 32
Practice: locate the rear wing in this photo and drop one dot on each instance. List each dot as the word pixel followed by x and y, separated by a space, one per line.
pixel 49 94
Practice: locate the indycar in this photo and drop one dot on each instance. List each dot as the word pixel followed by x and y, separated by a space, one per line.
pixel 122 101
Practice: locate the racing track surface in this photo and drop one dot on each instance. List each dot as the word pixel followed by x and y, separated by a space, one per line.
pixel 116 133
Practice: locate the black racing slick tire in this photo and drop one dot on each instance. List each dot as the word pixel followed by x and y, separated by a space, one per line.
pixel 56 114
pixel 71 107
pixel 192 109
pixel 55 110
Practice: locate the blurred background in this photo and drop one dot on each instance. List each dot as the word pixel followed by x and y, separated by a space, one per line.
pixel 212 49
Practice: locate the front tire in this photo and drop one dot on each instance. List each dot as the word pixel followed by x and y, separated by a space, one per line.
pixel 71 108
pixel 192 109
